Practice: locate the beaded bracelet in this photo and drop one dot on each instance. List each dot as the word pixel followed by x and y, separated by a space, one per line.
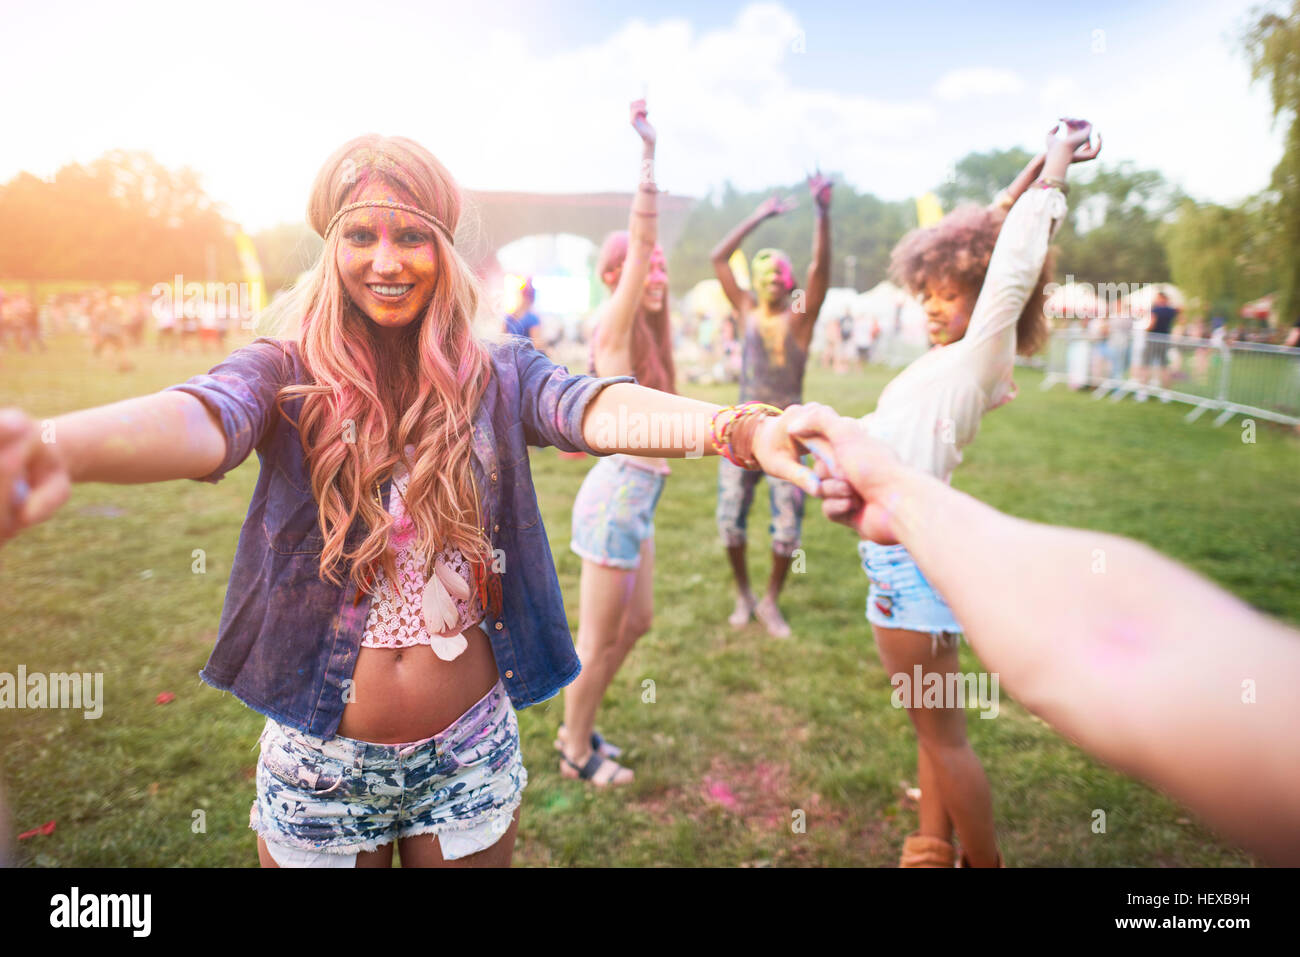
pixel 1051 182
pixel 722 438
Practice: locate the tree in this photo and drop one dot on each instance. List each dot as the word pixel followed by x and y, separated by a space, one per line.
pixel 1216 254
pixel 1273 45
pixel 1111 233
pixel 863 226
pixel 978 177
pixel 124 216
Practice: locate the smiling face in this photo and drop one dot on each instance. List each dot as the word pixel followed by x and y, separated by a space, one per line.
pixel 773 275
pixel 656 282
pixel 655 290
pixel 388 259
pixel 947 311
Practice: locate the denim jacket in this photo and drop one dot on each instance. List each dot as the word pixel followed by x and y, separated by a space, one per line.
pixel 288 640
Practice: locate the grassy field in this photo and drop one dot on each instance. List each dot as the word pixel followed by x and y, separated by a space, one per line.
pixel 744 729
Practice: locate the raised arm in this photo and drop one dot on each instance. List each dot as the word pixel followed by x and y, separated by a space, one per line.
pixel 1141 662
pixel 741 300
pixel 1021 248
pixel 613 353
pixel 1033 169
pixel 819 273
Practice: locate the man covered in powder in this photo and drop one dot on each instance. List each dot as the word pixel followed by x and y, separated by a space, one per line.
pixel 775 327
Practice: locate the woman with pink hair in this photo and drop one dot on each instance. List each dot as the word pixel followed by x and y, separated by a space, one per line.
pixel 393 598
pixel 613 515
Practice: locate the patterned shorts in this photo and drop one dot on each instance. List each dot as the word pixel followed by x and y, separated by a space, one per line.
pixel 343 796
pixel 900 597
pixel 614 513
pixel 735 496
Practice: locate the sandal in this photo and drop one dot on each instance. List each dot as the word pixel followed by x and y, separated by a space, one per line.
pixel 598 744
pixel 591 771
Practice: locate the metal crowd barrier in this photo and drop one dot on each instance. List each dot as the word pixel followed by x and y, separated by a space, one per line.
pixel 1239 378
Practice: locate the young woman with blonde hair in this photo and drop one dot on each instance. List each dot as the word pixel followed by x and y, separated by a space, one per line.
pixel 393 597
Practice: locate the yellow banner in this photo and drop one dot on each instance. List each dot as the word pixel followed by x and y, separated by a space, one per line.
pixel 928 210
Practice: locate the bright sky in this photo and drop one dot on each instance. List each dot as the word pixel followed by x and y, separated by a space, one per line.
pixel 533 96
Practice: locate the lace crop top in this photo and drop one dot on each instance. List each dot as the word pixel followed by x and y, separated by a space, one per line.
pixel 399 616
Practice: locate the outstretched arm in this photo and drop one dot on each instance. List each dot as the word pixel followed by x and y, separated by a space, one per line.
pixel 740 300
pixel 1143 663
pixel 819 273
pixel 1033 169
pixel 613 353
pixel 635 420
pixel 153 438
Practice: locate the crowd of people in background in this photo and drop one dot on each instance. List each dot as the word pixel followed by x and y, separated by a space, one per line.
pixel 111 323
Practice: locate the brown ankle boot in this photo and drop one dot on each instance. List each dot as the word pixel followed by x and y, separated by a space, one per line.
pixel 922 851
pixel 962 862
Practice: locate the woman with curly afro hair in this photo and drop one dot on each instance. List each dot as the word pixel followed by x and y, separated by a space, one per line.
pixel 979 273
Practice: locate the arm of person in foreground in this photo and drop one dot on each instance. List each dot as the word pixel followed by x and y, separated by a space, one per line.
pixel 152 438
pixel 199 429
pixel 1140 661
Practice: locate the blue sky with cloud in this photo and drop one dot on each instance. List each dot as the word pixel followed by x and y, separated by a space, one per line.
pixel 516 95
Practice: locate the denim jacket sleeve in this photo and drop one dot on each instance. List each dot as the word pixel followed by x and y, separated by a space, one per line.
pixel 241 390
pixel 552 400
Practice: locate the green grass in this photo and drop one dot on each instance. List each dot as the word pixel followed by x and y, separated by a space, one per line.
pixel 802 724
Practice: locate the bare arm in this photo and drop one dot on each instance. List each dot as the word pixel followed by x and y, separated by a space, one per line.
pixel 819 273
pixel 1143 663
pixel 1033 169
pixel 153 438
pixel 740 300
pixel 635 420
pixel 613 352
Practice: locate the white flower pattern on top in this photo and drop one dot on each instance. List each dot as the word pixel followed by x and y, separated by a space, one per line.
pixel 396 618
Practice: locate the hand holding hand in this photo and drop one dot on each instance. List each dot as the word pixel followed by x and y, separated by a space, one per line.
pixel 855 485
pixel 778 452
pixel 34 480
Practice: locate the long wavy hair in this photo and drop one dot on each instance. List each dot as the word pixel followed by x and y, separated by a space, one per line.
pixel 368 396
pixel 652 334
pixel 957 249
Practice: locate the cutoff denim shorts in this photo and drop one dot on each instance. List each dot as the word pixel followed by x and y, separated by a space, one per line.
pixel 614 512
pixel 900 597
pixel 344 796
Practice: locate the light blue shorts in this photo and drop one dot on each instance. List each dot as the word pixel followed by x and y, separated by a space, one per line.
pixel 900 597
pixel 614 512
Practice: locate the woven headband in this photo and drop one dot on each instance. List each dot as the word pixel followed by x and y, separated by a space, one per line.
pixel 427 217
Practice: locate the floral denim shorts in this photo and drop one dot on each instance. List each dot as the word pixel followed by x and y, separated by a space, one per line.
pixel 343 796
pixel 614 512
pixel 900 597
pixel 736 494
